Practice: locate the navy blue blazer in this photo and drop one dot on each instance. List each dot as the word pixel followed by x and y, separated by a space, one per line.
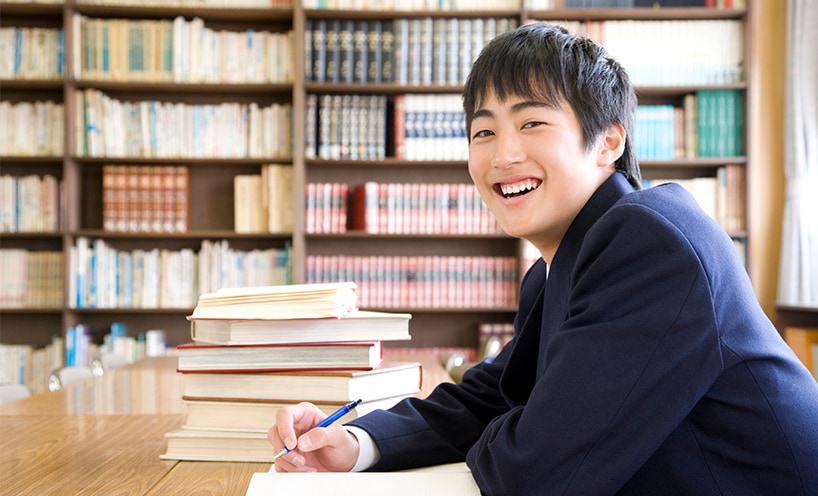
pixel 643 365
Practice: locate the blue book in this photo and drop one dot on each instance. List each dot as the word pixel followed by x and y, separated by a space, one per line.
pixel 118 330
pixel 18 52
pixel 60 52
pixel 106 49
pixel 153 128
pixel 70 347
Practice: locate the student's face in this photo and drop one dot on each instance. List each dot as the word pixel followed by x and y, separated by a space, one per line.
pixel 532 169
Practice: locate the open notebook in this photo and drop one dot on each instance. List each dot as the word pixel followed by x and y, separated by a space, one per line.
pixel 438 480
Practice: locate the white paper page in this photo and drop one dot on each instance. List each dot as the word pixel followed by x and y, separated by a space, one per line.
pixel 427 483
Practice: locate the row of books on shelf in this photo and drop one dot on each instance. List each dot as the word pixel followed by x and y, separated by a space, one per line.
pixel 145 198
pixel 713 4
pixel 345 127
pixel 31 128
pixel 23 364
pixel 31 53
pixel 264 202
pixel 238 4
pixel 82 351
pixel 422 281
pixel 103 277
pixel 710 124
pixel 410 5
pixel 430 127
pixel 692 52
pixel 420 208
pixel 235 4
pixel 257 350
pixel 416 51
pixel 107 127
pixel 180 51
pixel 398 208
pixel 722 197
pixel 30 203
pixel 31 279
pixel 31 367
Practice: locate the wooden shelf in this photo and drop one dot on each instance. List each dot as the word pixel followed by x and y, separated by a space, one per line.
pixel 31 235
pixel 31 9
pixel 365 235
pixel 206 13
pixel 16 160
pixel 643 14
pixel 685 89
pixel 99 233
pixel 380 89
pixel 31 84
pixel 114 311
pixel 399 14
pixel 174 87
pixel 177 161
pixel 388 162
pixel 695 163
pixel 445 310
pixel 30 310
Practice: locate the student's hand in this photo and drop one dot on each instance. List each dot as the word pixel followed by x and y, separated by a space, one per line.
pixel 323 449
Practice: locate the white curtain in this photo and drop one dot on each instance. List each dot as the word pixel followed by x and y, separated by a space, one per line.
pixel 798 284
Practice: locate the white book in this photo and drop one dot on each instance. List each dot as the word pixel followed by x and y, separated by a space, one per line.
pixel 439 480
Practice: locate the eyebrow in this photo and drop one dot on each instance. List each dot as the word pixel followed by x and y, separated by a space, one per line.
pixel 517 107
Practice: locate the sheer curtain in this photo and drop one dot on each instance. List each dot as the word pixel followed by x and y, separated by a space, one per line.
pixel 798 284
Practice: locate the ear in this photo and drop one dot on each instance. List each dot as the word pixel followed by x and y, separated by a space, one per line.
pixel 611 145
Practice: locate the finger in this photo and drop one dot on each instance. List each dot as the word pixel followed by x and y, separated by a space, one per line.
pixel 291 462
pixel 321 437
pixel 284 430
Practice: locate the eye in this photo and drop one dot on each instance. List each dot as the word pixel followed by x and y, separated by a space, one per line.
pixel 482 133
pixel 531 124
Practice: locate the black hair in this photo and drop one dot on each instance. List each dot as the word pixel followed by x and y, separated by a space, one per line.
pixel 546 63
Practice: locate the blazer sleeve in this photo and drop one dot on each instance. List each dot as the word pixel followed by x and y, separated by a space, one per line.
pixel 442 427
pixel 637 350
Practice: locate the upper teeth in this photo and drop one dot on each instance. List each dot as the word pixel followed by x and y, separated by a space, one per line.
pixel 524 185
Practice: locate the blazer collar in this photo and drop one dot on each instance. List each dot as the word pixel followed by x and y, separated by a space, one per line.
pixel 527 360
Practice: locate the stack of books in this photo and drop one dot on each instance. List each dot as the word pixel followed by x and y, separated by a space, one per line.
pixel 256 350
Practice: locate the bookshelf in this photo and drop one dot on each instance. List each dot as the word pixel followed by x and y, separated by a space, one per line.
pixel 210 189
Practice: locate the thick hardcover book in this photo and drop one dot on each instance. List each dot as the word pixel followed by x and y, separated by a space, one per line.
pixel 386 380
pixel 258 415
pixel 334 51
pixel 375 56
pixel 218 446
pixel 347 52
pixel 197 357
pixel 297 301
pixel 355 326
pixel 360 47
pixel 387 53
pixel 319 51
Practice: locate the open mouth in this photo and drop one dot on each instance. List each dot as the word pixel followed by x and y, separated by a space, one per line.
pixel 519 188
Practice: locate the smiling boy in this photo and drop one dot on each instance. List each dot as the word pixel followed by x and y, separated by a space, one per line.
pixel 642 362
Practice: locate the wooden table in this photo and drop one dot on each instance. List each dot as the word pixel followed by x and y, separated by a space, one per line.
pixel 104 437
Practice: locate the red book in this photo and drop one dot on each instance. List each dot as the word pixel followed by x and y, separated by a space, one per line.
pixel 196 357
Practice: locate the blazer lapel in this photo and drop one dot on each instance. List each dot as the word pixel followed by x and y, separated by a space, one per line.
pixel 548 310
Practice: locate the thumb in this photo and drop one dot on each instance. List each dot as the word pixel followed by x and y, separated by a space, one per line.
pixel 314 439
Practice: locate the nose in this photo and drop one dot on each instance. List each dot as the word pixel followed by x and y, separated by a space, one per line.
pixel 509 151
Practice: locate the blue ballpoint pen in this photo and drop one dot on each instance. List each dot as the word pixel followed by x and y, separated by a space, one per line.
pixel 325 423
